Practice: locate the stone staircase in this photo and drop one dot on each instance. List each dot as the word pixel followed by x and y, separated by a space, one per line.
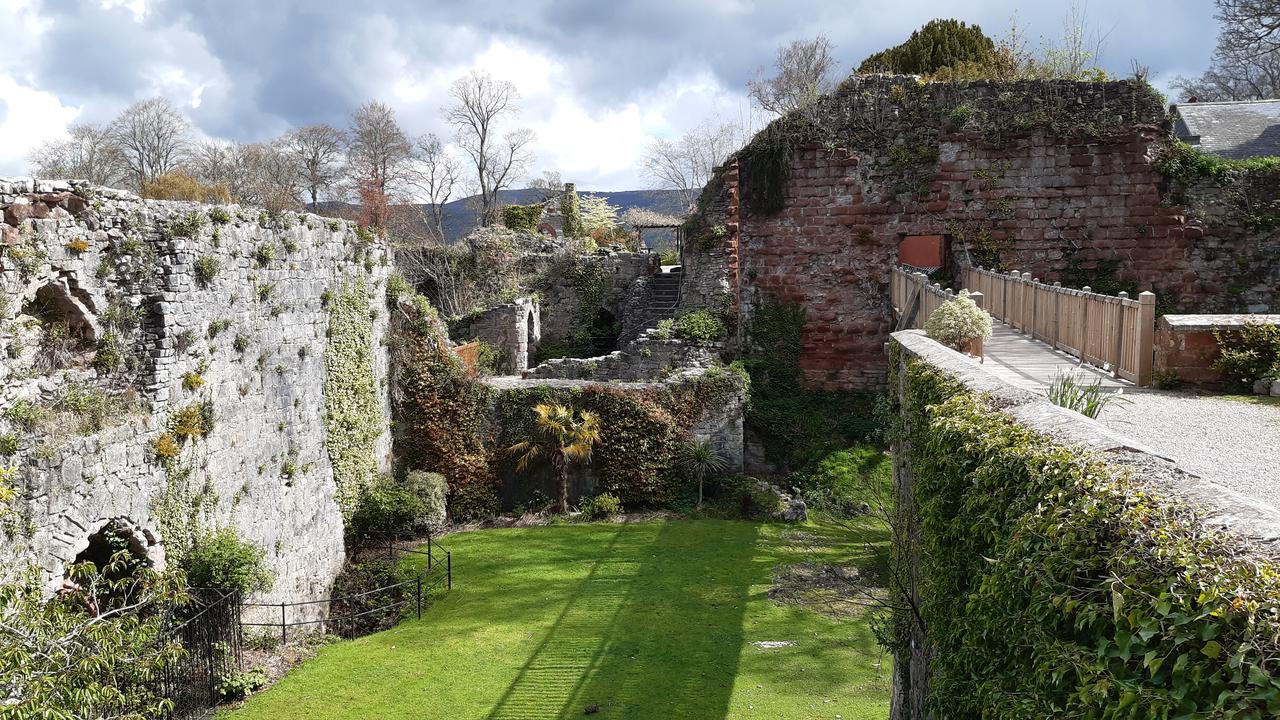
pixel 664 295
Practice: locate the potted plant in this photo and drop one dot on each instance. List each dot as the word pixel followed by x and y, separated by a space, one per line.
pixel 960 324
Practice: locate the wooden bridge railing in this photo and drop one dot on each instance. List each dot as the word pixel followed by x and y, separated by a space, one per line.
pixel 915 299
pixel 1110 332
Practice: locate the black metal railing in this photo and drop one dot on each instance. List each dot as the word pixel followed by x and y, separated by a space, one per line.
pixel 354 614
pixel 208 629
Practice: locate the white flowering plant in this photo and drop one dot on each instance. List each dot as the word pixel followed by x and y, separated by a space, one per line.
pixel 958 321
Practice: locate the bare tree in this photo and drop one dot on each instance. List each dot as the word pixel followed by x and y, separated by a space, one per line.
pixel 214 163
pixel 803 75
pixel 480 104
pixel 318 151
pixel 686 164
pixel 378 152
pixel 436 173
pixel 89 154
pixel 268 174
pixel 549 186
pixel 152 136
pixel 1246 62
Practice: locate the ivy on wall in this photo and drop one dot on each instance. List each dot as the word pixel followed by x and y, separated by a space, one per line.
pixel 797 425
pixel 1251 187
pixel 1053 585
pixel 441 415
pixel 898 122
pixel 353 416
pixel 643 431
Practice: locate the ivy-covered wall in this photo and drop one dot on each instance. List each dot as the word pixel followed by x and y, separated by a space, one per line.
pixel 1050 568
pixel 237 376
pixel 1066 180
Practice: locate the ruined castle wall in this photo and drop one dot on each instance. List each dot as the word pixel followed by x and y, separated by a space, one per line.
pixel 1056 179
pixel 225 310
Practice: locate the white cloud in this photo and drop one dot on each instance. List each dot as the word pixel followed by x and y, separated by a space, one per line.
pixel 31 119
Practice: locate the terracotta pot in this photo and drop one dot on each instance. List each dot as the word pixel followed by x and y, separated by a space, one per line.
pixel 972 346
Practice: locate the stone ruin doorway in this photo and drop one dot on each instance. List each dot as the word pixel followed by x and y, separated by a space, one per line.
pixel 118 552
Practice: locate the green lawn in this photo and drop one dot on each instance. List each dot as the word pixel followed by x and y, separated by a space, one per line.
pixel 650 621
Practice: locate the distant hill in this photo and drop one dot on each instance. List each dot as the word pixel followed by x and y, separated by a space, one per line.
pixel 460 216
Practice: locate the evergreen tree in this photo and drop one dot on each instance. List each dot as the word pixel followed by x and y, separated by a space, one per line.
pixel 939 44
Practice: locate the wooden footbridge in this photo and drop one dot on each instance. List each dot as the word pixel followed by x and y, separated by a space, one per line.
pixel 1042 329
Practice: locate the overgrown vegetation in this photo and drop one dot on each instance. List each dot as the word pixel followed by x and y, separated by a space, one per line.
pixel 700 326
pixel 522 217
pixel 1248 185
pixel 353 415
pixel 58 661
pixel 221 559
pixel 1119 601
pixel 1248 353
pixel 897 123
pixel 797 425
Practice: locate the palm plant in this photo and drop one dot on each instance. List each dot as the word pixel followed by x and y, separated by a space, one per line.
pixel 562 435
pixel 702 459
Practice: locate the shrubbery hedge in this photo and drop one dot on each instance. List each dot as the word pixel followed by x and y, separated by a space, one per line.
pixel 1053 585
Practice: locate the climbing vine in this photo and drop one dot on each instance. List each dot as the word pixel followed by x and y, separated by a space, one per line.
pixel 897 123
pixel 441 415
pixel 1119 602
pixel 798 425
pixel 353 416
pixel 1250 187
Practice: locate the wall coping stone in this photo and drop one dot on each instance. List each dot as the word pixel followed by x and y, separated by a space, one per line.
pixel 1190 323
pixel 1221 507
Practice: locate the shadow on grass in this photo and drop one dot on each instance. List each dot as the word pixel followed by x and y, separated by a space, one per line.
pixel 654 631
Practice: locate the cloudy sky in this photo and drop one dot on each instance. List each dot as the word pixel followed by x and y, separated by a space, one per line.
pixel 599 78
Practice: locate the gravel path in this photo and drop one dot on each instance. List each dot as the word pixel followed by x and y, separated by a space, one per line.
pixel 1233 442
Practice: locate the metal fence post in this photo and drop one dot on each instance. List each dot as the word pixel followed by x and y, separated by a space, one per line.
pixel 419 596
pixel 448 556
pixel 284 629
pixel 429 551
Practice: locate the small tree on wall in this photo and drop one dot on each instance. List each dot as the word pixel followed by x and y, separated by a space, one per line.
pixel 564 436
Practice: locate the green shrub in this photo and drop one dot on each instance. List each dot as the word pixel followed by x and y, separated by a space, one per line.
pixel 264 254
pixel 1248 353
pixel 432 491
pixel 192 381
pixel 601 506
pixel 217 327
pixel 1053 585
pixel 386 508
pixel 222 560
pixel 8 443
pixel 397 286
pixel 206 267
pixel 700 326
pixel 110 355
pixel 219 216
pixel 958 320
pixel 22 413
pixel 188 226
pixel 240 684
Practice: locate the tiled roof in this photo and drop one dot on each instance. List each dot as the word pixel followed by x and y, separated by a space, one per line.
pixel 1231 129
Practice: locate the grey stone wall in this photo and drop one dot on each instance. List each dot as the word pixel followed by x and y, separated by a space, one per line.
pixel 561 304
pixel 512 328
pixel 253 333
pixel 652 357
pixel 1221 508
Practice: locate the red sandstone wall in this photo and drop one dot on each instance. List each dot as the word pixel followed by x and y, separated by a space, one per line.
pixel 1043 204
